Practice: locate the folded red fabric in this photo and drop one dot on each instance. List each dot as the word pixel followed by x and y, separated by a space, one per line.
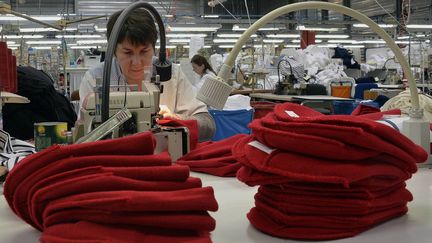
pixel 290 112
pixel 343 134
pixel 71 163
pixel 313 169
pixel 97 183
pixel 373 113
pixel 192 126
pixel 138 144
pixel 395 197
pixel 310 145
pixel 87 232
pixel 198 221
pixel 195 199
pixel 213 149
pixel 362 109
pixel 331 222
pixel 267 224
pixel 288 207
pixel 213 158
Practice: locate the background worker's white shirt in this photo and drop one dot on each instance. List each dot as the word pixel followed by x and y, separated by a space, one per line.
pixel 202 79
pixel 178 94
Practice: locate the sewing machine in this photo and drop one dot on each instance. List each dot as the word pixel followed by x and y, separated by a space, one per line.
pixel 142 110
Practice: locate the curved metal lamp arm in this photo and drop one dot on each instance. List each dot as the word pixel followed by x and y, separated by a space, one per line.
pixel 112 43
pixel 227 66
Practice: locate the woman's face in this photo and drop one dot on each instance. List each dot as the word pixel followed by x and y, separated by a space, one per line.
pixel 198 69
pixel 133 60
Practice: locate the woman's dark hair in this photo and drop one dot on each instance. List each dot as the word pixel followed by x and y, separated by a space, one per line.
pixel 139 27
pixel 200 60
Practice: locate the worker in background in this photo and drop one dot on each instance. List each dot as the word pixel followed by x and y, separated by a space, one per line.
pixel 134 53
pixel 201 67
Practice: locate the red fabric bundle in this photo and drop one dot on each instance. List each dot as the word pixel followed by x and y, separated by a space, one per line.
pixel 124 185
pixel 313 169
pixel 373 113
pixel 290 112
pixel 271 223
pixel 213 158
pixel 87 232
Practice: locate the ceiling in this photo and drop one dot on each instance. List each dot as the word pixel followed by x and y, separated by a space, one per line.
pixel 192 11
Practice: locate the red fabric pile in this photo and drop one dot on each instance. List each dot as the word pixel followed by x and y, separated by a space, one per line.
pixel 213 158
pixel 110 191
pixel 324 177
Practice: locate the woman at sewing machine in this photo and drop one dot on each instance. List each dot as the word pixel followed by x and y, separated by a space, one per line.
pixel 201 67
pixel 134 52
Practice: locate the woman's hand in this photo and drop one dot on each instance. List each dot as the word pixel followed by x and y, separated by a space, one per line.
pixel 165 112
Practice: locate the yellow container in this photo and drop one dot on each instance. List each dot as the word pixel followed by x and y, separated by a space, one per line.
pixel 49 133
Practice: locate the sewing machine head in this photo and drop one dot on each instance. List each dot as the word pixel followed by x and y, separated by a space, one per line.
pixel 144 106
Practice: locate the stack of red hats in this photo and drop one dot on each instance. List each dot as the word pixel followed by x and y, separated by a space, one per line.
pixel 213 158
pixel 110 191
pixel 324 177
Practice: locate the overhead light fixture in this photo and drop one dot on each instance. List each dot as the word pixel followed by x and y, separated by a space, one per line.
pixel 332 36
pixel 273 41
pixel 44 47
pixel 23 36
pixel 346 46
pixel 179 40
pixel 298 41
pixel 89 42
pixel 41 18
pixel 205 47
pixel 168 16
pixel 283 36
pixel 77 36
pixel 372 42
pixel 181 35
pixel 380 25
pixel 98 29
pixel 210 16
pixel 194 27
pixel 82 47
pixel 237 27
pixel 292 46
pixel 406 42
pixel 10 43
pixel 419 26
pixel 167 47
pixel 225 40
pixel 44 42
pixel 226 46
pixel 227 35
pixel 342 41
pixel 35 30
pixel 309 28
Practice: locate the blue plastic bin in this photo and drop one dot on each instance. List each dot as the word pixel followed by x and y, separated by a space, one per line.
pixel 230 123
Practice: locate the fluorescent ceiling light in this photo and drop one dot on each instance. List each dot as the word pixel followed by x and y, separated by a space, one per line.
pixel 180 35
pixel 100 29
pixel 226 46
pixel 82 47
pixel 342 41
pixel 87 42
pixel 346 46
pixel 10 42
pixel 167 47
pixel 9 45
pixel 23 36
pixel 43 47
pixel 380 25
pixel 273 41
pixel 405 42
pixel 226 35
pixel 14 47
pixel 26 30
pixel 168 16
pixel 44 42
pixel 298 41
pixel 236 27
pixel 292 46
pixel 211 16
pixel 41 18
pixel 332 36
pixel 373 42
pixel 225 40
pixel 419 26
pixel 77 36
pixel 179 40
pixel 330 29
pixel 194 27
pixel 283 36
pixel 205 47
